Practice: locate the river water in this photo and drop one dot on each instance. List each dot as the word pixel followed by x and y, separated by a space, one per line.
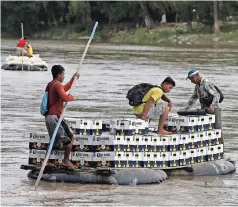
pixel 108 71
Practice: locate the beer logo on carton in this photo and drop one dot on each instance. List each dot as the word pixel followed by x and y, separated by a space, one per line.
pixel 176 120
pixel 80 154
pixel 81 138
pixel 38 136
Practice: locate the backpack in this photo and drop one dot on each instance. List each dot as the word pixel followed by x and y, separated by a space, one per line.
pixel 136 94
pixel 44 106
pixel 221 94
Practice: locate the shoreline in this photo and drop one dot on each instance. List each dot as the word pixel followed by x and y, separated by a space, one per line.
pixel 161 35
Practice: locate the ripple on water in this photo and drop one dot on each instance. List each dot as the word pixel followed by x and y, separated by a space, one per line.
pixel 107 73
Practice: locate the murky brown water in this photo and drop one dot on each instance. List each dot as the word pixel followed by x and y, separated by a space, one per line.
pixel 107 73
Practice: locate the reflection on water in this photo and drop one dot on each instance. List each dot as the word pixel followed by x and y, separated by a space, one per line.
pixel 106 75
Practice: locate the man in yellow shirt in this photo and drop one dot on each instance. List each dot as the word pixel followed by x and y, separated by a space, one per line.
pixel 29 51
pixel 150 109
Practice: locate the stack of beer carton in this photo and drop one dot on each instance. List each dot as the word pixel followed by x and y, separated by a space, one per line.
pixel 199 141
pixel 129 144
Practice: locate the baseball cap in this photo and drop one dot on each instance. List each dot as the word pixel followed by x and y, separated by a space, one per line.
pixel 192 72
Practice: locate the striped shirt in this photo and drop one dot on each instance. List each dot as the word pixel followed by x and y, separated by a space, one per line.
pixel 206 93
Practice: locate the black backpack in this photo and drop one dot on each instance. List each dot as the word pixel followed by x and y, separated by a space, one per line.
pixel 207 101
pixel 221 95
pixel 137 93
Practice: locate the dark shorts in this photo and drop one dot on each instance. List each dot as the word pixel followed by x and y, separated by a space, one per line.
pixel 64 134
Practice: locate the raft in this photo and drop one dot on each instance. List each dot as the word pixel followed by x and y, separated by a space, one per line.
pixel 150 172
pixel 25 67
pixel 100 175
pixel 212 168
pixel 128 176
pixel 34 63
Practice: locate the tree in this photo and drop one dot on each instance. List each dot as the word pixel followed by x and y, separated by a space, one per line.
pixel 216 20
pixel 185 10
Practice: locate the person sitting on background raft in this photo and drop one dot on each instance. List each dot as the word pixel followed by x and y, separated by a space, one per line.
pixel 208 95
pixel 150 109
pixel 29 50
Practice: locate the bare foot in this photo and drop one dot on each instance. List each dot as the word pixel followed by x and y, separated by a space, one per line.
pixel 67 163
pixel 164 132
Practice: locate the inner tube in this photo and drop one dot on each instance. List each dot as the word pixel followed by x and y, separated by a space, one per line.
pixel 118 177
pixel 25 67
pixel 212 168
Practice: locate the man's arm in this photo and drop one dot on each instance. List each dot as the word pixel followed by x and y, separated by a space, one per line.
pixel 166 99
pixel 61 92
pixel 192 100
pixel 69 84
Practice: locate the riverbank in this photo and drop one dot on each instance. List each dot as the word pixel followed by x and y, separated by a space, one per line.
pixel 173 34
pixel 178 35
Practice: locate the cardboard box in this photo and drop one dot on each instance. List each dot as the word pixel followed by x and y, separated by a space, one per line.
pixel 148 146
pixel 194 139
pixel 104 159
pixel 129 144
pixel 185 158
pixel 141 126
pixel 74 122
pixel 128 127
pixel 96 127
pixel 210 137
pixel 81 126
pixel 165 158
pixel 201 154
pixel 152 160
pixel 85 127
pixel 215 152
pixel 202 139
pixel 39 137
pixel 174 159
pixel 105 142
pixel 82 159
pixel 165 140
pixel 83 143
pixel 156 143
pixel 193 155
pixel 113 126
pixel 108 142
pixel 124 160
pixel 185 142
pixel 138 158
pixel 202 123
pixel 119 143
pixel 36 157
pixel 38 145
pixel 125 127
pixel 139 143
pixel 216 137
pixel 211 121
pixel 220 151
pixel 118 159
pixel 184 124
pixel 174 142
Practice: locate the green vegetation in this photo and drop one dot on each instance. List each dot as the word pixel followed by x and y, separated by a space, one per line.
pixel 178 35
pixel 136 22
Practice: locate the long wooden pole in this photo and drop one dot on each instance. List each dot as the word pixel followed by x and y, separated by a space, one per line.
pixel 62 114
pixel 22 49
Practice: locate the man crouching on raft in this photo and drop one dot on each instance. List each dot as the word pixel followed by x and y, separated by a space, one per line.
pixel 150 109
